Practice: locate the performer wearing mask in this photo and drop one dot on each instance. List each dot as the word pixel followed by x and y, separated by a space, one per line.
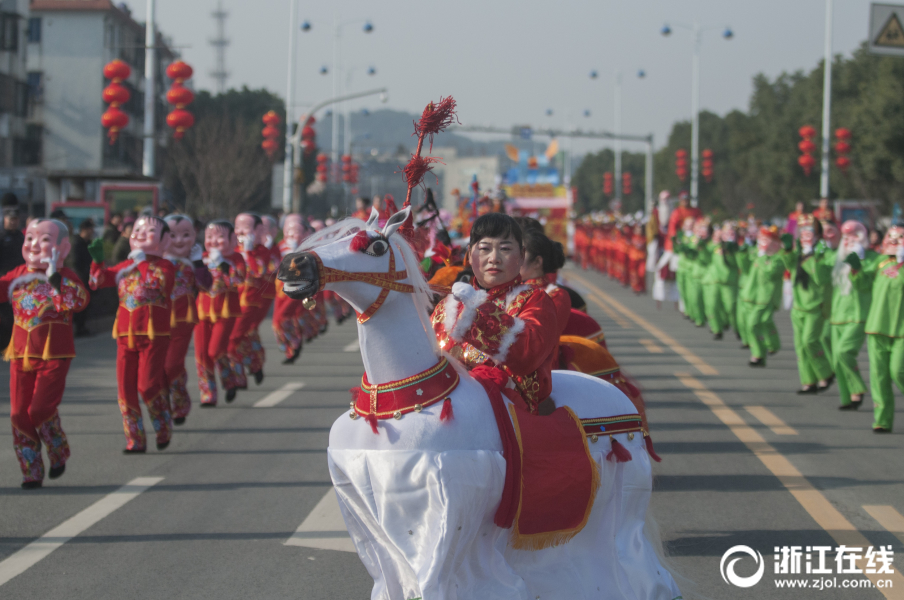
pixel 496 320
pixel 811 275
pixel 763 270
pixel 191 276
pixel 287 313
pixel 142 328
pixel 853 273
pixel 885 330
pixel 43 295
pixel 218 309
pixel 245 347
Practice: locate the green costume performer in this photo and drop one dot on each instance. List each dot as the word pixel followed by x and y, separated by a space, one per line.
pixel 885 331
pixel 720 286
pixel 810 275
pixel 693 267
pixel 763 277
pixel 851 296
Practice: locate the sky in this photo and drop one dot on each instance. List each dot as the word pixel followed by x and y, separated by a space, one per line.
pixel 508 62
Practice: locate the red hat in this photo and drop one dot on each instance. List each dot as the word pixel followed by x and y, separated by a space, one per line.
pixel 772 232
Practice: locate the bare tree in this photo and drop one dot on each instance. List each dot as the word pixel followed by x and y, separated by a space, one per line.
pixel 220 166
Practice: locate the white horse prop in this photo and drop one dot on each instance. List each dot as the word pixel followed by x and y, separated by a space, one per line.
pixel 419 497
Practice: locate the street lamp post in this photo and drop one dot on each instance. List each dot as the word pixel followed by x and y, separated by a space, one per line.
pixel 826 104
pixel 290 95
pixel 150 100
pixel 617 104
pixel 337 67
pixel 695 101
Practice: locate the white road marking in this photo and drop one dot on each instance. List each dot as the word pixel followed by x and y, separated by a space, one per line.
pixel 274 398
pixel 324 528
pixel 352 347
pixel 31 554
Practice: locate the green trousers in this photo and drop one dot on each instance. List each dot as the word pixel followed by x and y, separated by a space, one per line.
pixel 886 364
pixel 762 335
pixel 719 302
pixel 827 340
pixel 847 340
pixel 681 281
pixel 743 325
pixel 693 303
pixel 812 363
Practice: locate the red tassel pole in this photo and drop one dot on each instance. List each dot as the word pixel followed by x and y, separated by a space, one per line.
pixel 446 414
pixel 649 442
pixel 360 242
pixel 618 453
pixel 434 119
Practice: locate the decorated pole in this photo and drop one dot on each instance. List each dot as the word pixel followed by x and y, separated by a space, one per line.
pixel 434 119
pixel 179 96
pixel 271 133
pixel 115 94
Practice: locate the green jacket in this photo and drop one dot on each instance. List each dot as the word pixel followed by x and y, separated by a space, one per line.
pixel 812 297
pixel 722 264
pixel 886 314
pixel 763 281
pixel 694 258
pixel 854 306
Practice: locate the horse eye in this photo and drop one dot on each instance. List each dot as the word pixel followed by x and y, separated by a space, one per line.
pixel 378 247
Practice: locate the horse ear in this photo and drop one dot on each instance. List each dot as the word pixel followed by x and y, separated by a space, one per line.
pixel 395 221
pixel 374 216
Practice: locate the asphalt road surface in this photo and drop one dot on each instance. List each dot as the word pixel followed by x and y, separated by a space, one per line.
pixel 241 506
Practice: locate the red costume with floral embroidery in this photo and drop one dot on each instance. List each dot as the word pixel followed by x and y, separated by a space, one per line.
pixel 218 309
pixel 512 326
pixel 183 317
pixel 142 332
pixel 39 352
pixel 245 348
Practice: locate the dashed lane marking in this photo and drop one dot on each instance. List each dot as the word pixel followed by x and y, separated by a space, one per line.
pixel 667 340
pixel 889 518
pixel 812 500
pixel 324 528
pixel 651 346
pixel 34 552
pixel 609 312
pixel 770 420
pixel 274 398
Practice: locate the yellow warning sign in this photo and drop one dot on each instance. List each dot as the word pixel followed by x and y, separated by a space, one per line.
pixel 892 33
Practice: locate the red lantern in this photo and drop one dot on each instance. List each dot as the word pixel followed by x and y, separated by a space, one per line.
pixel 681 163
pixel 179 71
pixel 843 162
pixel 180 95
pixel 114 120
pixel 807 132
pixel 322 158
pixel 117 70
pixel 180 120
pixel 806 162
pixel 843 133
pixel 269 146
pixel 806 146
pixel 707 168
pixel 272 118
pixel 308 133
pixel 607 183
pixel 270 132
pixel 842 148
pixel 626 183
pixel 116 94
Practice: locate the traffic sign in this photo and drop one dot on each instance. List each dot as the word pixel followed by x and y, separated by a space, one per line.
pixel 886 29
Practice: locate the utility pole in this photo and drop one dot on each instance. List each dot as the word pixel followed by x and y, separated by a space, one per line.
pixel 220 74
pixel 150 100
pixel 289 160
pixel 826 105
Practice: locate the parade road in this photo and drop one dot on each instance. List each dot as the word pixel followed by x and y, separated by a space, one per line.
pixel 240 505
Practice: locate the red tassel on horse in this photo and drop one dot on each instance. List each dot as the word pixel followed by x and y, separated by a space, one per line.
pixel 435 118
pixel 649 442
pixel 446 414
pixel 618 453
pixel 372 421
pixel 360 242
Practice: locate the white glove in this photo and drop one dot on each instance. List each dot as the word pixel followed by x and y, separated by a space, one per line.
pixel 247 242
pixel 859 250
pixel 900 254
pixel 51 262
pixel 214 258
pixel 137 255
pixel 807 248
pixel 197 253
pixel 268 241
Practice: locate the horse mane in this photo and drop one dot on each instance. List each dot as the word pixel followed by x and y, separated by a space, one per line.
pixel 422 292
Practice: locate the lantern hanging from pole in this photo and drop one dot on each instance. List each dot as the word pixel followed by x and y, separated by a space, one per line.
pixel 115 94
pixel 707 169
pixel 270 133
pixel 179 96
pixel 842 148
pixel 807 146
pixel 681 164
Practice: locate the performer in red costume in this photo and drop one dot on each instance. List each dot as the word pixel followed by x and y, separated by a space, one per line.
pixel 245 347
pixel 287 313
pixel 496 320
pixel 218 309
pixel 142 328
pixel 191 275
pixel 43 294
pixel 542 260
pixel 676 219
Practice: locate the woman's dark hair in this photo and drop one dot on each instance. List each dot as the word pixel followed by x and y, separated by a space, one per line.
pixel 227 225
pixel 495 225
pixel 537 244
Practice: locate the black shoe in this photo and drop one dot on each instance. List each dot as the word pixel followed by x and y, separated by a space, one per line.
pixel 828 384
pixel 258 377
pixel 178 420
pixel 208 405
pixel 230 394
pixel 134 451
pixel 31 485
pixel 162 445
pixel 808 389
pixel 851 406
pixel 324 328
pixel 745 346
pixel 291 360
pixel 875 430
pixel 717 336
pixel 759 362
pixel 56 471
pixel 772 352
pixel 737 335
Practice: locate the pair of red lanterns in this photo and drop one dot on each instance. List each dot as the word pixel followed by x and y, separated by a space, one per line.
pixel 807 147
pixel 116 94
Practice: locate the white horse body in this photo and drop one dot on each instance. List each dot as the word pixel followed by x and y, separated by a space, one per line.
pixel 419 497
